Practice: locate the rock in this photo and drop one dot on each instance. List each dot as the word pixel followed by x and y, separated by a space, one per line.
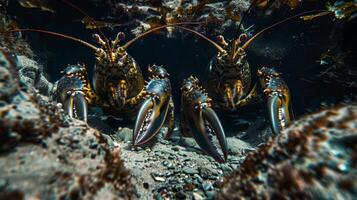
pixel 236 146
pixel 210 194
pixel 198 178
pixel 314 158
pixel 181 195
pixel 175 149
pixel 207 186
pixel 170 166
pixel 31 75
pixel 7 83
pixel 196 196
pixel 189 170
pixel 189 142
pixel 3 183
pixel 206 172
pixel 125 134
pixel 158 178
pixel 226 168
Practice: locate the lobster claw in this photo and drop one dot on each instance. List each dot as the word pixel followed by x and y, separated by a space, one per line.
pixel 278 98
pixel 279 113
pixel 154 110
pixel 201 121
pixel 70 91
pixel 208 131
pixel 76 102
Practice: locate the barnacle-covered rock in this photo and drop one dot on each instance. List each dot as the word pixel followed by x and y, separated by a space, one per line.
pixel 31 75
pixel 7 82
pixel 42 156
pixel 218 15
pixel 315 158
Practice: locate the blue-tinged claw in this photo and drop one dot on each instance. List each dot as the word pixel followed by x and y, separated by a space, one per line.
pixel 70 91
pixel 202 120
pixel 274 104
pixel 76 105
pixel 154 110
pixel 278 96
pixel 150 120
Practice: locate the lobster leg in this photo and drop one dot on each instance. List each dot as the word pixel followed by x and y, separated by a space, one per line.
pixel 170 120
pixel 252 96
pixel 185 130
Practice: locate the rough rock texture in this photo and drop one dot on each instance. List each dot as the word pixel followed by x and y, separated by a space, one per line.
pixel 31 75
pixel 315 158
pixel 7 83
pixel 45 156
pixel 10 42
pixel 148 14
pixel 176 168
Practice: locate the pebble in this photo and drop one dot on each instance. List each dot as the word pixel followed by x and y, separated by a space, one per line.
pixel 75 139
pixel 175 149
pixel 159 179
pixel 93 155
pixel 191 171
pixel 61 141
pixel 181 195
pixel 197 196
pixel 3 183
pixel 93 144
pixel 158 196
pixel 226 168
pixel 165 163
pixel 207 186
pixel 198 178
pixel 210 194
pixel 170 166
pixel 206 172
pixel 164 142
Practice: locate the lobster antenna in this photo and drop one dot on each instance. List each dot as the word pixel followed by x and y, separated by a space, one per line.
pixel 107 45
pixel 86 15
pixel 58 35
pixel 219 48
pixel 177 25
pixel 276 24
pixel 246 14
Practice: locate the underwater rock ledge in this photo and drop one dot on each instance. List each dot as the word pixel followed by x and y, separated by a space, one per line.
pixel 315 158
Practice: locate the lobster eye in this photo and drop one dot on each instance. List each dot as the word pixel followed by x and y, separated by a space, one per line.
pixel 242 37
pixel 121 36
pixel 96 38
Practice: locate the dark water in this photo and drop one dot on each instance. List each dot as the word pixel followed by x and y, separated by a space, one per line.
pixel 297 48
